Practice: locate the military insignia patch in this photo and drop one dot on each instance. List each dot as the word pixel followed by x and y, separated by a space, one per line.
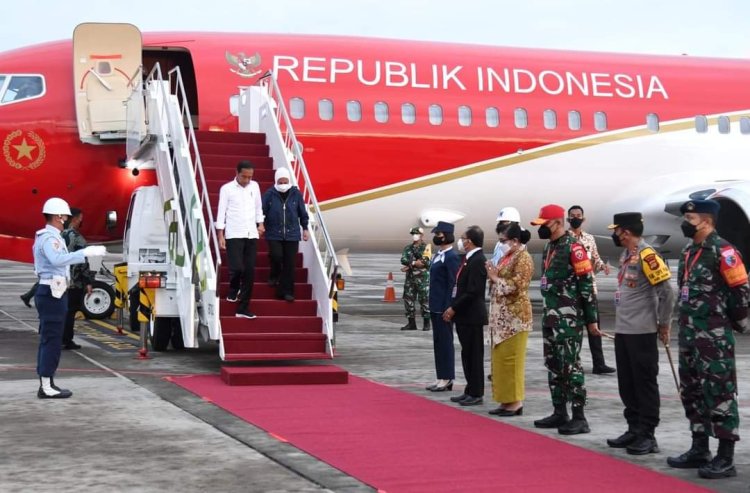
pixel 731 267
pixel 579 260
pixel 654 268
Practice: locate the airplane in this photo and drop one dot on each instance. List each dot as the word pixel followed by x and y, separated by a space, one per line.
pixel 395 133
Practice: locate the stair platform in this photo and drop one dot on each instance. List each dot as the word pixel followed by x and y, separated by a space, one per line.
pixel 284 375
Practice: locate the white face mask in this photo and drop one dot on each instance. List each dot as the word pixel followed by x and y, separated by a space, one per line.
pixel 503 249
pixel 461 245
pixel 416 237
pixel 284 187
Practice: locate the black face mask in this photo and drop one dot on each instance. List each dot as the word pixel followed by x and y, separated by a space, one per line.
pixel 544 232
pixel 438 240
pixel 688 229
pixel 616 240
pixel 575 222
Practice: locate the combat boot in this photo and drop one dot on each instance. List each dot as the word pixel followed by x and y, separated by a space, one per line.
pixel 697 456
pixel 412 325
pixel 722 466
pixel 644 443
pixel 558 418
pixel 577 425
pixel 48 391
pixel 426 325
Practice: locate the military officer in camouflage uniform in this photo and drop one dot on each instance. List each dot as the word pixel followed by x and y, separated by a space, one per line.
pixel 713 298
pixel 569 304
pixel 416 264
pixel 81 277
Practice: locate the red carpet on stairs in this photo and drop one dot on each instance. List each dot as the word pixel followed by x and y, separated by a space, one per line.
pixel 396 441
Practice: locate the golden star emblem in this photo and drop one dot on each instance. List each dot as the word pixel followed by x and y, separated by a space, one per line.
pixel 24 150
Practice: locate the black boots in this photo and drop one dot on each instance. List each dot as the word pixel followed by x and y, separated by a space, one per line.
pixel 426 325
pixel 623 440
pixel 558 418
pixel 644 443
pixel 722 466
pixel 412 325
pixel 576 425
pixel 697 456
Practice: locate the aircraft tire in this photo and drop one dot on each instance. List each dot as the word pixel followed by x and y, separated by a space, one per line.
pixel 162 333
pixel 100 304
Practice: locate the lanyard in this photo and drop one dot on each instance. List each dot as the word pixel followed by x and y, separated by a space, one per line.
pixel 687 260
pixel 550 256
pixel 623 268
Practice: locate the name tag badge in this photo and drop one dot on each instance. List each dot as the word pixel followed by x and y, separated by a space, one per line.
pixel 543 283
pixel 684 293
pixel 455 290
pixel 617 297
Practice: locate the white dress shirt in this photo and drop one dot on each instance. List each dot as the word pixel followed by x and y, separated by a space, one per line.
pixel 240 210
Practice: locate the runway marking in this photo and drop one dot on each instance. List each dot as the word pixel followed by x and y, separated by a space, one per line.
pixel 18 320
pixel 114 328
pixel 161 374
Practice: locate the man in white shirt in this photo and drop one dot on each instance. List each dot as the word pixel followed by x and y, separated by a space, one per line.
pixel 239 224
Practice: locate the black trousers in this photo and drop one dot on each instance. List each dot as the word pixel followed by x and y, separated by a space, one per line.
pixel 595 345
pixel 471 338
pixel 637 370
pixel 283 255
pixel 75 300
pixel 241 253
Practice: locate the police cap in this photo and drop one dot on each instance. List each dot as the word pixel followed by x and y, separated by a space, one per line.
pixel 443 227
pixel 701 207
pixel 625 219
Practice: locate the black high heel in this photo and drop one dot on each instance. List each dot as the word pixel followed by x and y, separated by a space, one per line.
pixel 506 412
pixel 448 386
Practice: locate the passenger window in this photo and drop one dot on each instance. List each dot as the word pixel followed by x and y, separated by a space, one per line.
pixel 652 122
pixel 436 114
pixel 550 119
pixel 492 117
pixel 724 124
pixel 325 109
pixel 464 116
pixel 408 113
pixel 600 121
pixel 353 111
pixel 574 120
pixel 744 124
pixel 701 124
pixel 22 87
pixel 521 118
pixel 381 112
pixel 297 108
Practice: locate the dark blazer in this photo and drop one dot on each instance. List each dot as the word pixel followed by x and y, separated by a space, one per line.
pixel 284 214
pixel 442 280
pixel 469 303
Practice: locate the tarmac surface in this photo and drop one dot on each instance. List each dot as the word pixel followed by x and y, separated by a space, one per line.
pixel 127 428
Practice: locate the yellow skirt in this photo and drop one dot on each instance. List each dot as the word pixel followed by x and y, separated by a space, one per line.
pixel 508 367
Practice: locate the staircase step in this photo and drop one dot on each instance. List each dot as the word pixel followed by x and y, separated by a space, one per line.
pixel 261 290
pixel 229 162
pixel 224 174
pixel 263 273
pixel 263 260
pixel 274 343
pixel 230 137
pixel 228 148
pixel 264 175
pixel 273 308
pixel 284 375
pixel 271 325
pixel 276 356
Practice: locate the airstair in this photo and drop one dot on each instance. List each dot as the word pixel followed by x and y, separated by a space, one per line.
pixel 191 166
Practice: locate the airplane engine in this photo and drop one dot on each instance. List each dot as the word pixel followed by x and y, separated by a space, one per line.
pixel 733 224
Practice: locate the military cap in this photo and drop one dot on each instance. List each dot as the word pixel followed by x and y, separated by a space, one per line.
pixel 625 219
pixel 701 207
pixel 416 231
pixel 443 227
pixel 548 213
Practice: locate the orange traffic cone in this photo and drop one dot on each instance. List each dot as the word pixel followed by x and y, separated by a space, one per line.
pixel 390 291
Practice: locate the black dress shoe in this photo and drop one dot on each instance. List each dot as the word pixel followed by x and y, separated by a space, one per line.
pixel 719 467
pixel 71 345
pixel 603 370
pixel 555 420
pixel 459 398
pixel 574 427
pixel 642 445
pixel 623 440
pixel 472 401
pixel 431 387
pixel 507 412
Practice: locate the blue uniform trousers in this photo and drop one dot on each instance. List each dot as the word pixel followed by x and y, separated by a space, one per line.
pixel 52 313
pixel 442 342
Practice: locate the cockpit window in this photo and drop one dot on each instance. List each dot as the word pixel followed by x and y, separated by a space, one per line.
pixel 20 87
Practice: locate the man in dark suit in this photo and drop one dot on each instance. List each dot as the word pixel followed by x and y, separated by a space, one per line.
pixel 469 311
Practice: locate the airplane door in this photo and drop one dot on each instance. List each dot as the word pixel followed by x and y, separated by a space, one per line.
pixel 106 68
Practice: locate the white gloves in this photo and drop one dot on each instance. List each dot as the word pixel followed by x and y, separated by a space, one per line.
pixel 95 251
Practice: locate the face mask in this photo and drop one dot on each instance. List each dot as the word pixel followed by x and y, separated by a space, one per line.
pixel 544 232
pixel 438 240
pixel 416 237
pixel 688 229
pixel 460 246
pixel 283 187
pixel 575 222
pixel 503 248
pixel 616 240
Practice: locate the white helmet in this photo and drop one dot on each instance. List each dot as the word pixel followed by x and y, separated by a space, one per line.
pixel 56 205
pixel 509 214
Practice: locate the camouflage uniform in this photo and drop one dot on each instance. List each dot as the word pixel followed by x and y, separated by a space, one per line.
pixel 569 303
pixel 417 278
pixel 80 274
pixel 713 283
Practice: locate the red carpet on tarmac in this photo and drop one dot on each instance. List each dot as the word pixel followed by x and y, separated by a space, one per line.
pixel 396 441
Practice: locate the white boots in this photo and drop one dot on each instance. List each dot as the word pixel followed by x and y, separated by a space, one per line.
pixel 48 389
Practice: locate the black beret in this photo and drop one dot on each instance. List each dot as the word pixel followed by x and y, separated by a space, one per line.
pixel 701 207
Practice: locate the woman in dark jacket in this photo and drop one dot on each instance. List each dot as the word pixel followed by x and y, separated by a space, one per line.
pixel 285 211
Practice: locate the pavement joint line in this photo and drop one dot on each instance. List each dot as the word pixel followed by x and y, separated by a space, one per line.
pixel 102 366
pixel 18 320
pixel 114 328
